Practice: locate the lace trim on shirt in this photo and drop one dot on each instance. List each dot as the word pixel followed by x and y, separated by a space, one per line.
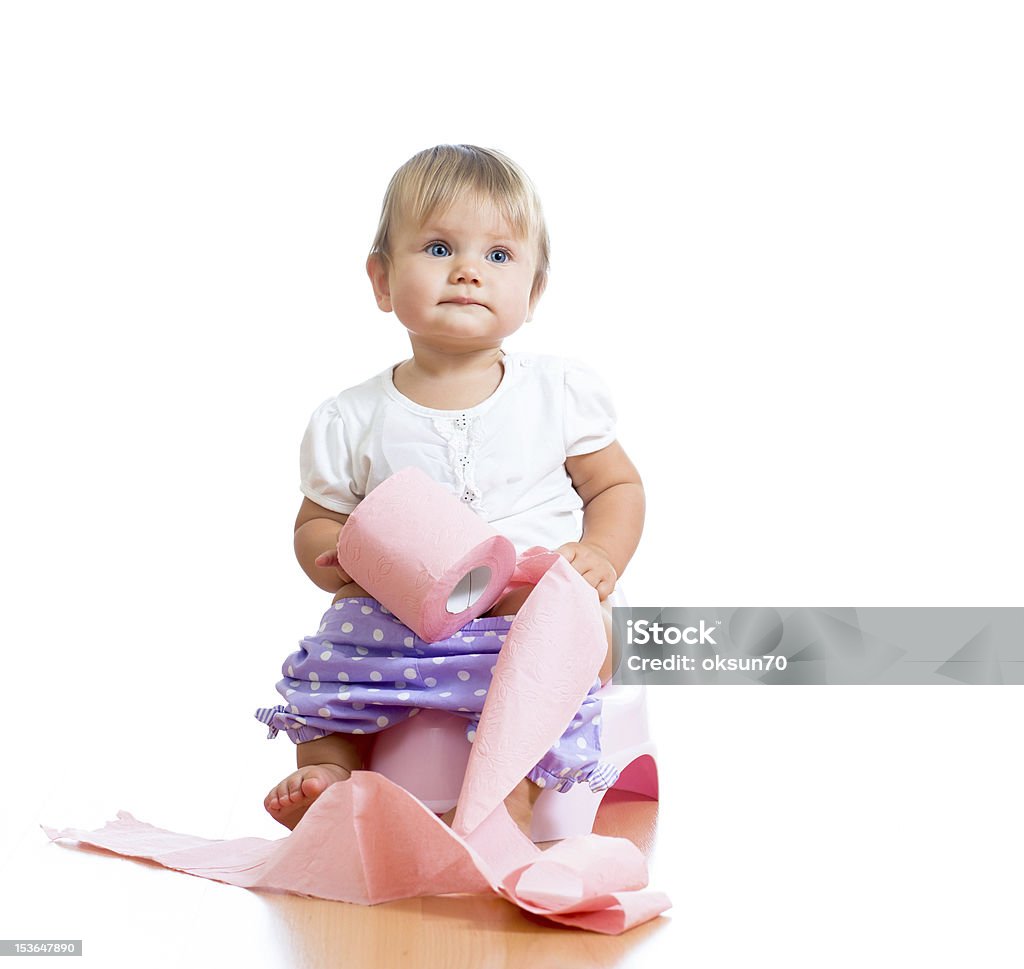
pixel 463 434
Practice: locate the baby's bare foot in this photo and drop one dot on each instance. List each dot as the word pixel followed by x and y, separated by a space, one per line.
pixel 293 797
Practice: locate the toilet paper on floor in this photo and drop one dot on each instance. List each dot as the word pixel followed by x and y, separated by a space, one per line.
pixel 411 550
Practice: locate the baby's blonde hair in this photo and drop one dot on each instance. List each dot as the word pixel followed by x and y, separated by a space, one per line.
pixel 433 179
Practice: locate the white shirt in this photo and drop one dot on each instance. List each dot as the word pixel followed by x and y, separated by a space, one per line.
pixel 505 457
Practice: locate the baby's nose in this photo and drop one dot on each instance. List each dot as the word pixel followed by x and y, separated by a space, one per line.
pixel 465 271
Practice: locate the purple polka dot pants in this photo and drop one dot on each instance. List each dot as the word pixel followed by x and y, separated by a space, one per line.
pixel 365 671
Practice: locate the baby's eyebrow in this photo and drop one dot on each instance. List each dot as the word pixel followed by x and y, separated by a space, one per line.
pixel 438 229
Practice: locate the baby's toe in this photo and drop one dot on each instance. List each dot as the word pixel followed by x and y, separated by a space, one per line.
pixel 293 787
pixel 312 786
pixel 281 796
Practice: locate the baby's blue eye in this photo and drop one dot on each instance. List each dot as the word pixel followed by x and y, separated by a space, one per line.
pixel 438 249
pixel 499 255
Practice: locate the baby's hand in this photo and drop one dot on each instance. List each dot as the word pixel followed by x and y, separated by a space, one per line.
pixel 329 559
pixel 592 563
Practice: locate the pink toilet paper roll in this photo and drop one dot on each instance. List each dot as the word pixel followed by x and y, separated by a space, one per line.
pixel 367 840
pixel 422 555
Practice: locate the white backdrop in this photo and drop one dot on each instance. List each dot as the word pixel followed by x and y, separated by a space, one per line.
pixel 788 235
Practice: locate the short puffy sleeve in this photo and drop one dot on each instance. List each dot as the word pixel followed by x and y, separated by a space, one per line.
pixel 325 461
pixel 589 412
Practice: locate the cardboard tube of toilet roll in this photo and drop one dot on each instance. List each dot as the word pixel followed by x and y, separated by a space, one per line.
pixel 421 553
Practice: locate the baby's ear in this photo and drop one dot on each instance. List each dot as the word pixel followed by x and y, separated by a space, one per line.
pixel 540 283
pixel 377 270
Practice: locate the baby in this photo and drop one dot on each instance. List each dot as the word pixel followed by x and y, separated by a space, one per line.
pixel 526 441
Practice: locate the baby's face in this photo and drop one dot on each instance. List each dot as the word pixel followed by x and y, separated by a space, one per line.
pixel 461 280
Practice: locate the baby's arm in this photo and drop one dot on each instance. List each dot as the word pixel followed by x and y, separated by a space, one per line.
pixel 613 515
pixel 316 541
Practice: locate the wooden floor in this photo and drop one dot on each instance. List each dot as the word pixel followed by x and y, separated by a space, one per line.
pixel 800 826
pixel 136 913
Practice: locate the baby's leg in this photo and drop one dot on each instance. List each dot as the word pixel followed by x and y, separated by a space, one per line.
pixel 519 804
pixel 321 763
pixel 351 591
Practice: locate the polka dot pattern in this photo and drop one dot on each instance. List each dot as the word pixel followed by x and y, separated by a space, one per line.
pixel 378 665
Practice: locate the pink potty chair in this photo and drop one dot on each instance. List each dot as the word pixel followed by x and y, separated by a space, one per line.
pixel 427 755
pixel 627 745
